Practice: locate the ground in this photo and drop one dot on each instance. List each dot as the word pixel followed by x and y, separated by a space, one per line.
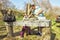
pixel 55 34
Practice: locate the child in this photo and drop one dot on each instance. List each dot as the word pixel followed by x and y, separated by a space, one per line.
pixel 25 28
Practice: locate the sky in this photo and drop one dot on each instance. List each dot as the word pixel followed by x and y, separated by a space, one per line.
pixel 20 4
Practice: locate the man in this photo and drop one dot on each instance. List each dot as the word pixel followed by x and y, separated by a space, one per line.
pixel 8 18
pixel 39 13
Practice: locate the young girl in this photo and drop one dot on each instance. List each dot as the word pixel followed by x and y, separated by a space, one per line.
pixel 25 27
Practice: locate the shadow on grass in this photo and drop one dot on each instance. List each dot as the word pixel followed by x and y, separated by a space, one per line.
pixel 58 26
pixel 33 32
pixel 30 32
pixel 2 36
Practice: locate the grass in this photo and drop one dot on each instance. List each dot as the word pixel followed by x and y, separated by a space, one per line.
pixel 55 30
pixel 19 18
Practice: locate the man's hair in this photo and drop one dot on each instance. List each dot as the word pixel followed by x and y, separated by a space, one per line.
pixel 33 5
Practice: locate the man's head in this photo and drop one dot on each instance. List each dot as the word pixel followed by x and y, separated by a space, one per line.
pixel 33 6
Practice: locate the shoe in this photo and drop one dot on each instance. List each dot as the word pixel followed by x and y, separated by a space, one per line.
pixel 39 33
pixel 22 34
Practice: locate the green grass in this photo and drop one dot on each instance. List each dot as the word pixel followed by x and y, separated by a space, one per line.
pixel 55 30
pixel 19 18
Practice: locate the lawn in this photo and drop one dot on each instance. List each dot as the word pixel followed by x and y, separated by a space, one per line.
pixel 54 29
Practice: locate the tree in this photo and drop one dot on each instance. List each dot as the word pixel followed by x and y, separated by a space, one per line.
pixel 43 4
pixel 6 4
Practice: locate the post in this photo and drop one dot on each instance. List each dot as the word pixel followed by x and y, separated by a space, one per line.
pixel 28 9
pixel 10 29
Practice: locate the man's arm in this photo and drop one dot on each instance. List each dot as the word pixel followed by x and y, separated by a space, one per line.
pixel 39 12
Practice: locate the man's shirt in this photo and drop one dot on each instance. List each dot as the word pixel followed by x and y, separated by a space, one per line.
pixel 36 11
